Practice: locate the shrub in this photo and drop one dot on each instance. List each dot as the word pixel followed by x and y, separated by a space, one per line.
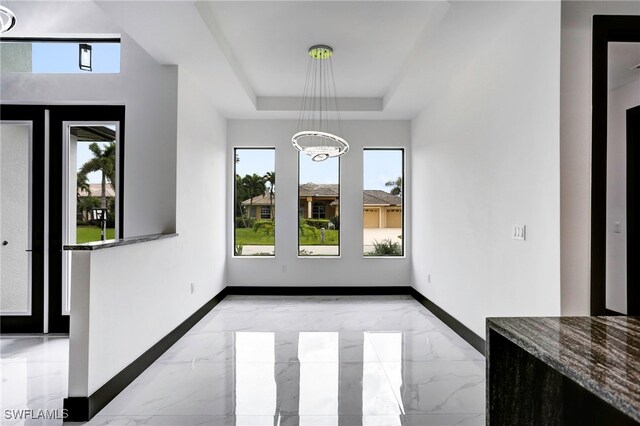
pixel 248 220
pixel 266 225
pixel 318 223
pixel 336 222
pixel 237 249
pixel 304 228
pixel 386 247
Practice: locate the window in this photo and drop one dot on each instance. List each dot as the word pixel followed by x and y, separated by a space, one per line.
pixel 58 56
pixel 265 212
pixel 319 211
pixel 254 202
pixel 383 202
pixel 319 207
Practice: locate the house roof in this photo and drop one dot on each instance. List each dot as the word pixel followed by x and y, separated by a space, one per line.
pixel 319 190
pixel 377 196
pixel 95 190
pixel 374 197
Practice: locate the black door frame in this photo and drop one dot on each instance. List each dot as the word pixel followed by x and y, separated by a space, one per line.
pixel 59 323
pixel 33 323
pixel 58 114
pixel 633 209
pixel 606 28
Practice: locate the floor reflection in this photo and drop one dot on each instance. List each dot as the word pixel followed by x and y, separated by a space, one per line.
pixel 294 361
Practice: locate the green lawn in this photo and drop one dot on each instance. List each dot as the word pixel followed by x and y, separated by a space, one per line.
pixel 85 234
pixel 247 236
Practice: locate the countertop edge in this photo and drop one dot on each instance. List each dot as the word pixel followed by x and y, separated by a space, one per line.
pixel 99 245
pixel 585 382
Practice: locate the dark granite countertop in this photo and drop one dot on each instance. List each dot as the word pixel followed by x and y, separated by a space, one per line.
pixel 602 354
pixel 97 245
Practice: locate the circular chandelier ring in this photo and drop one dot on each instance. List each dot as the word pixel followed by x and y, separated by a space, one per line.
pixel 7 19
pixel 320 152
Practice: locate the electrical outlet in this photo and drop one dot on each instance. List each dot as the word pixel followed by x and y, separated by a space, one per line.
pixel 284 268
pixel 193 288
pixel 617 227
pixel 519 232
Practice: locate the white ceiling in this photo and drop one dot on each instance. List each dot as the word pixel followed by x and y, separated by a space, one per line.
pixel 252 55
pixel 371 40
pixel 249 57
pixel 623 57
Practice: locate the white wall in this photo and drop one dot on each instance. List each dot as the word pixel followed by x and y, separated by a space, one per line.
pixel 620 99
pixel 485 157
pixel 575 146
pixel 202 190
pixel 149 92
pixel 351 269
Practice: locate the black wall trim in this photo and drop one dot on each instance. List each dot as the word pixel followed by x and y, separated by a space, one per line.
pixel 84 408
pixel 606 28
pixel 461 330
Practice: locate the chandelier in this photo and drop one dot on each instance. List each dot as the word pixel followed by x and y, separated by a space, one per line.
pixel 319 126
pixel 7 19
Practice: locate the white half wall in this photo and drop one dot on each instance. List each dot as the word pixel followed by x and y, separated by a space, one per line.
pixel 287 269
pixel 148 91
pixel 486 157
pixel 575 146
pixel 620 100
pixel 119 313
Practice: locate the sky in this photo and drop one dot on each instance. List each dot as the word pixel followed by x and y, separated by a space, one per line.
pixel 64 58
pixel 380 166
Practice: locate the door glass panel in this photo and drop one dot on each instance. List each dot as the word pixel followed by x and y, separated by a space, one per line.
pixel 91 189
pixel 15 215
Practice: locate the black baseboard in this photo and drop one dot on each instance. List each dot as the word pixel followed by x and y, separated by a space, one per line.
pixel 317 291
pixel 461 330
pixel 84 408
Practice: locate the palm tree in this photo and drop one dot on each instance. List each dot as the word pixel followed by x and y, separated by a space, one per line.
pixel 253 186
pixel 397 186
pixel 270 178
pixel 82 182
pixel 104 161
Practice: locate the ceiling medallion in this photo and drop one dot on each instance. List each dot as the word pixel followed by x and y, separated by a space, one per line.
pixel 319 124
pixel 7 19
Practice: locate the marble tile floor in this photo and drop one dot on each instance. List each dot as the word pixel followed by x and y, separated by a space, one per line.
pixel 348 360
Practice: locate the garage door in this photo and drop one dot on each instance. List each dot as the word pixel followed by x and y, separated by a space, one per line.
pixel 394 218
pixel 371 218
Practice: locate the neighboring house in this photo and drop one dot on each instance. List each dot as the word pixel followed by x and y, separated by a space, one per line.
pixel 320 201
pixel 95 190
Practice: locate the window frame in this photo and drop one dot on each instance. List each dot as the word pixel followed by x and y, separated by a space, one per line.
pixel 301 213
pixel 402 206
pixel 233 201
